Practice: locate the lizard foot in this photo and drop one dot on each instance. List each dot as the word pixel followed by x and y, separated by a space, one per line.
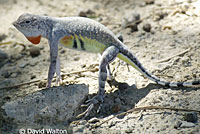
pixel 59 80
pixel 98 99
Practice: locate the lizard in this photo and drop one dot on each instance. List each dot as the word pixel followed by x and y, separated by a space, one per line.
pixel 81 33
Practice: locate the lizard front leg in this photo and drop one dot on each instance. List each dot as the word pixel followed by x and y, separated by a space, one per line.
pixel 58 77
pixel 53 59
pixel 108 56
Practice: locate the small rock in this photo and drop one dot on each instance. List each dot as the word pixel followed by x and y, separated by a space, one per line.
pixel 129 130
pixel 83 65
pixel 191 117
pixel 76 58
pixel 34 51
pixel 172 98
pixel 185 124
pixel 159 16
pixel 131 20
pixel 134 27
pixel 89 13
pixel 93 120
pixel 33 77
pixel 147 27
pixel 149 2
pixel 2 37
pixel 3 56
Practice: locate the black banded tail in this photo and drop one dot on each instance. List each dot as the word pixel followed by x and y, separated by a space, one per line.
pixel 128 57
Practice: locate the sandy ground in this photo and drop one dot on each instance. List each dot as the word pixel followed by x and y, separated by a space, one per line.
pixel 174 28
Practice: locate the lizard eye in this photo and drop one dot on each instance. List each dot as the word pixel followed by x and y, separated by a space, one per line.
pixel 28 21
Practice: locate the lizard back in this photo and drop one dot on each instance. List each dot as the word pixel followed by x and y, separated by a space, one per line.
pixel 84 34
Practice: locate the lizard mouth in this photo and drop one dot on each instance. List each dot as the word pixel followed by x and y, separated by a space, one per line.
pixel 14 23
pixel 34 40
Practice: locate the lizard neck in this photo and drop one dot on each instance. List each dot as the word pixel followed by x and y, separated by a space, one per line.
pixel 46 25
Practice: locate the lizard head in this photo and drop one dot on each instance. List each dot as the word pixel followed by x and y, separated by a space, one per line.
pixel 29 25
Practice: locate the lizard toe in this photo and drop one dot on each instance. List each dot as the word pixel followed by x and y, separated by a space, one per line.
pixel 91 103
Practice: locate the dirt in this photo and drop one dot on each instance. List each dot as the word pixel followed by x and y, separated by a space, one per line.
pixel 165 28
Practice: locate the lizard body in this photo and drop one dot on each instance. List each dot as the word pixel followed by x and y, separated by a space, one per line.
pixel 86 35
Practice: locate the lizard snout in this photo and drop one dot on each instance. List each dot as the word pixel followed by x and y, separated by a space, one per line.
pixel 14 23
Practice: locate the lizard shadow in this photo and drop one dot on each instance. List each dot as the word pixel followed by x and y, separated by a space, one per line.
pixel 124 98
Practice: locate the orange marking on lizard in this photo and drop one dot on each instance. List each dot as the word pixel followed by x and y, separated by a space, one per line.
pixel 34 40
pixel 66 41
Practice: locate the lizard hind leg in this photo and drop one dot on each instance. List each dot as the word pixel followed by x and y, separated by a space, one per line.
pixel 108 56
pixel 109 74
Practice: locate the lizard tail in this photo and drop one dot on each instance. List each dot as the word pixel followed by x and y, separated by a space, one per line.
pixel 129 58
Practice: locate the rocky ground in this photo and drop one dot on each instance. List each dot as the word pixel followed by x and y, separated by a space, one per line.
pixel 163 34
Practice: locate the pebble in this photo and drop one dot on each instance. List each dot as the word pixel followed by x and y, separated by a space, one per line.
pixel 83 65
pixel 34 51
pixel 33 77
pixel 131 20
pixel 76 58
pixel 129 130
pixel 3 37
pixel 191 117
pixel 159 16
pixel 93 120
pixel 87 13
pixel 134 27
pixel 147 27
pixel 149 2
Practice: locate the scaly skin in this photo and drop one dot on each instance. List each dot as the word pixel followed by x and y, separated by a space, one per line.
pixel 87 35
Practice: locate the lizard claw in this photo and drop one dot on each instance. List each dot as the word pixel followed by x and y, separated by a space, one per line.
pixel 58 80
pixel 48 85
pixel 90 104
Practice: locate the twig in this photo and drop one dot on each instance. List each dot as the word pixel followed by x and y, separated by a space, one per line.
pixel 143 108
pixel 34 81
pixel 168 58
pixel 12 42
